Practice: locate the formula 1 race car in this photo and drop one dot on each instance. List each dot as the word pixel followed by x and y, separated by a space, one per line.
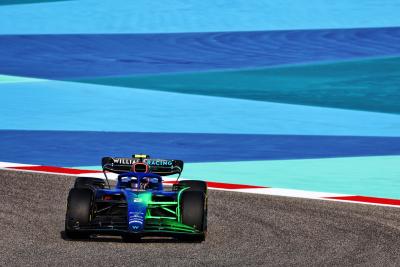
pixel 139 205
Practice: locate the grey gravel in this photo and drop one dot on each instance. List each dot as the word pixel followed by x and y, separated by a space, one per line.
pixel 244 229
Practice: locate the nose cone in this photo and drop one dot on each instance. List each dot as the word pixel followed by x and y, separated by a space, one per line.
pixel 137 206
pixel 136 221
pixel 136 227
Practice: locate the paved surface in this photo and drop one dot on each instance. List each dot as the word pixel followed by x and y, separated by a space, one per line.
pixel 252 230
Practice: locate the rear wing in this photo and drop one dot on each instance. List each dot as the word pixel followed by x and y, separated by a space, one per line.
pixel 158 166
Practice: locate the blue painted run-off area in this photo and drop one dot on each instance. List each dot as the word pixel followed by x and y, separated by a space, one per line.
pixel 143 16
pixel 68 148
pixel 68 106
pixel 73 56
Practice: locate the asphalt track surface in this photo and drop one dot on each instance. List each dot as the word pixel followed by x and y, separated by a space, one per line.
pixel 244 229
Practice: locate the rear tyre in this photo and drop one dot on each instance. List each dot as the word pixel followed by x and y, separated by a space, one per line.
pixel 194 185
pixel 79 212
pixel 89 182
pixel 194 213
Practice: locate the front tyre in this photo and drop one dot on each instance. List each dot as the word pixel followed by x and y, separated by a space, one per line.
pixel 89 182
pixel 194 185
pixel 79 212
pixel 194 212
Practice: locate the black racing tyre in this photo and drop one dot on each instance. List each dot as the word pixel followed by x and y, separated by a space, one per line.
pixel 89 182
pixel 194 211
pixel 194 185
pixel 79 211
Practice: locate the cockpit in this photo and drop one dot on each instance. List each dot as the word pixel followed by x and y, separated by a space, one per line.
pixel 140 178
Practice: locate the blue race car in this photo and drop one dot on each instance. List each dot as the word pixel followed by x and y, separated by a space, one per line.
pixel 139 205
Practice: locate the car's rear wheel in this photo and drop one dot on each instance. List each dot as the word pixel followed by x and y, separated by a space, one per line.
pixel 194 212
pixel 89 182
pixel 79 212
pixel 194 185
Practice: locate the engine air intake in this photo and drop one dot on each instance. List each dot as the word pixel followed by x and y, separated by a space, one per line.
pixel 140 167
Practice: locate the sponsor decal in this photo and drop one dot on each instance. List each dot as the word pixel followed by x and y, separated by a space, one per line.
pixel 136 221
pixel 136 217
pixel 159 162
pixel 125 161
pixel 150 162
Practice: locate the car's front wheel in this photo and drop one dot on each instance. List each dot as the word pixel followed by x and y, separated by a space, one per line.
pixel 89 182
pixel 194 212
pixel 79 212
pixel 194 185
